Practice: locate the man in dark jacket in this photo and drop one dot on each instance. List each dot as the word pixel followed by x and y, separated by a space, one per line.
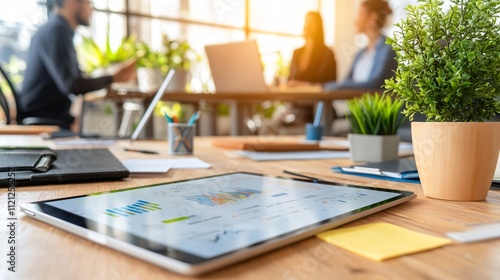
pixel 52 75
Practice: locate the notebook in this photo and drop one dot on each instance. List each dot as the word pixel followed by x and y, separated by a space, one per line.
pixel 236 68
pixel 72 165
pixel 403 169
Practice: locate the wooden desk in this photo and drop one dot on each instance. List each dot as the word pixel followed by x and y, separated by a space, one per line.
pixel 45 252
pixel 241 104
pixel 27 129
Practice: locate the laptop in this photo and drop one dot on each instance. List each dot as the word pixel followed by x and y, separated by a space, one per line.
pixel 236 68
pixel 142 122
pixel 198 225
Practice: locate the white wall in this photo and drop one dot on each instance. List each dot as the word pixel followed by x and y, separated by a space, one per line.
pixel 345 40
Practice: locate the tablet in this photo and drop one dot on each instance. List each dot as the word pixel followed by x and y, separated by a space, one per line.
pixel 198 225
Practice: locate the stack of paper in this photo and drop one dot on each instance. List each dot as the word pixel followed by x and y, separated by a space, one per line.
pixel 163 165
pixel 302 155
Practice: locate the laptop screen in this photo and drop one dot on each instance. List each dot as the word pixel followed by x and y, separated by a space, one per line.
pixel 236 67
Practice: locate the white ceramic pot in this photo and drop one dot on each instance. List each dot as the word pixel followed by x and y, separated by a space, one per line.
pixel 179 81
pixel 373 148
pixel 149 79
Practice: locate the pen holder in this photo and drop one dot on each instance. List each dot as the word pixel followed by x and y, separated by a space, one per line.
pixel 314 132
pixel 180 138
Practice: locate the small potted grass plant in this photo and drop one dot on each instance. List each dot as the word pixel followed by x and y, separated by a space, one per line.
pixel 375 119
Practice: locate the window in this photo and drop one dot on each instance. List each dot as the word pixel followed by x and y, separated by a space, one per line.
pixel 276 25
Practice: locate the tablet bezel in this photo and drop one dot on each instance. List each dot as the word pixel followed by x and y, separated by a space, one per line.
pixel 183 262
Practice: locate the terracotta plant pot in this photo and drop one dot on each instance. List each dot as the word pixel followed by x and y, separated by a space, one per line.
pixel 456 161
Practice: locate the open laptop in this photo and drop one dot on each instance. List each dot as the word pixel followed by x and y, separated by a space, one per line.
pixel 140 126
pixel 237 68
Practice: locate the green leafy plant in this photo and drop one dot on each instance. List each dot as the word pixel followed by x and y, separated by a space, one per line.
pixel 375 114
pixel 149 58
pixel 449 61
pixel 174 54
pixel 178 53
pixel 91 56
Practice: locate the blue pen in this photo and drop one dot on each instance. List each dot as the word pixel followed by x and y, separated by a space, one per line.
pixel 194 118
pixel 169 119
pixel 319 113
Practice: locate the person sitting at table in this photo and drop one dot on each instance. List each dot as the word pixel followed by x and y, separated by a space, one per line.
pixel 314 62
pixel 52 74
pixel 374 63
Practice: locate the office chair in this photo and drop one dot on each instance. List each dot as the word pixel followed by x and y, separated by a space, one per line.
pixel 25 121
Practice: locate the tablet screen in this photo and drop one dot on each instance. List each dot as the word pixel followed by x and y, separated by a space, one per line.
pixel 212 216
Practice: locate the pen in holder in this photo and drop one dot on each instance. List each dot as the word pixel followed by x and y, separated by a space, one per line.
pixel 314 131
pixel 180 138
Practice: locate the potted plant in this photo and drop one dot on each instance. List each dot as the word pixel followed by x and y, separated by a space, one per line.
pixel 98 61
pixel 448 70
pixel 375 120
pixel 179 55
pixel 151 67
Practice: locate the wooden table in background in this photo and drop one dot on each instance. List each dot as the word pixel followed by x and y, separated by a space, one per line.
pixel 241 104
pixel 27 129
pixel 45 252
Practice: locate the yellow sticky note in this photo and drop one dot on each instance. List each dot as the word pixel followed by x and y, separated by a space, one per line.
pixel 381 241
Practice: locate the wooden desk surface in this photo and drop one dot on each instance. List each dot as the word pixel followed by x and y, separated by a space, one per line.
pixel 27 129
pixel 45 252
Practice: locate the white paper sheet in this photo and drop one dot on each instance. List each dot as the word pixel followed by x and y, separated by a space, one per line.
pixel 146 166
pixel 163 165
pixel 266 156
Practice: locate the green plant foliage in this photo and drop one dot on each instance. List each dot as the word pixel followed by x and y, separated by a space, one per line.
pixel 148 58
pixel 179 53
pixel 449 61
pixel 174 54
pixel 375 114
pixel 91 56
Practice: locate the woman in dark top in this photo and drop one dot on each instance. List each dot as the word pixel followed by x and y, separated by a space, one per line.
pixel 314 62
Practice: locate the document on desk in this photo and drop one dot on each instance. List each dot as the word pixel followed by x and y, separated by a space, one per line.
pixel 163 165
pixel 404 147
pixel 302 155
pixel 403 169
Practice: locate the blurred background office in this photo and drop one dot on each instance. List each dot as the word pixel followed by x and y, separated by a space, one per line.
pixel 276 25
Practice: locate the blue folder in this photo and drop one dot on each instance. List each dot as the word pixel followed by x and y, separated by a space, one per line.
pixel 400 170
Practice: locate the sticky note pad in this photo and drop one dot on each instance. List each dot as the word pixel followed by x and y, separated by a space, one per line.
pixel 381 241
